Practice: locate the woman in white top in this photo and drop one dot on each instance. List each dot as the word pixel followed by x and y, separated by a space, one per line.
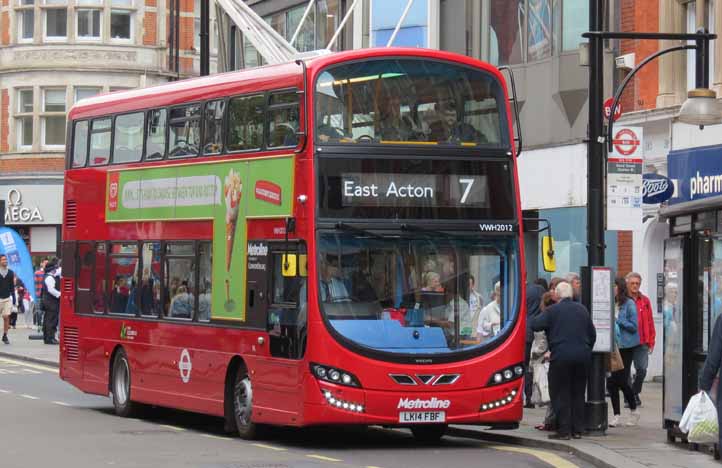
pixel 490 317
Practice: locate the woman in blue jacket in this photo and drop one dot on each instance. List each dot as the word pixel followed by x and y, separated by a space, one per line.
pixel 627 340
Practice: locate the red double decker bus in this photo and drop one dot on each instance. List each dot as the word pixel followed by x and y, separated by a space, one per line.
pixel 331 241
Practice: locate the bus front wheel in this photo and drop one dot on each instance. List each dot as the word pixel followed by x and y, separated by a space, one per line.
pixel 120 386
pixel 429 433
pixel 243 405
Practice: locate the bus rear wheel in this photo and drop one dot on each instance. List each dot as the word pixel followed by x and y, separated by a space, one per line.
pixel 120 386
pixel 429 433
pixel 243 405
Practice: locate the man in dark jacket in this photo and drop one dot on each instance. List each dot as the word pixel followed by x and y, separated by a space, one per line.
pixel 51 302
pixel 7 295
pixel 711 369
pixel 534 294
pixel 571 336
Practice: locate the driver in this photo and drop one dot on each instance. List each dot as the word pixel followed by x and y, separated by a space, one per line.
pixel 332 286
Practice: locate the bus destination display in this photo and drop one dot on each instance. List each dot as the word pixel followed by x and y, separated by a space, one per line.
pixel 432 190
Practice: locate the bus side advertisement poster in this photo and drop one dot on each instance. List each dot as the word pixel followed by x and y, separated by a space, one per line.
pixel 223 193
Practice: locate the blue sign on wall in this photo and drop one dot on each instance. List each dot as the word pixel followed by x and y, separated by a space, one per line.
pixel 656 188
pixel 697 172
pixel 19 260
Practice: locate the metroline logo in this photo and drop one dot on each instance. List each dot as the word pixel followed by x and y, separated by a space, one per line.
pixel 434 403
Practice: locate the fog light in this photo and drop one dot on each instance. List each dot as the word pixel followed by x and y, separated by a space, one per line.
pixel 352 407
pixel 334 374
pixel 339 404
pixel 359 408
pixel 327 394
pixel 513 392
pixel 332 400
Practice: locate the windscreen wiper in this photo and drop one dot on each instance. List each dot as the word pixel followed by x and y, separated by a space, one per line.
pixel 350 228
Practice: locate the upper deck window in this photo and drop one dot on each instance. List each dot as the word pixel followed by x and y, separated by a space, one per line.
pixel 128 138
pixel 410 101
pixel 184 131
pixel 283 119
pixel 80 143
pixel 100 141
pixel 245 123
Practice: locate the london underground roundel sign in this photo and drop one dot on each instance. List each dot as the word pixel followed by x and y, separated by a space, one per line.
pixel 656 188
pixel 626 142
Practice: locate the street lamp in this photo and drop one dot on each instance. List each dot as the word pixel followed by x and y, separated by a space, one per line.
pixel 701 108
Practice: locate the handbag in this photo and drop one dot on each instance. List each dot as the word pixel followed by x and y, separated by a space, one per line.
pixel 615 360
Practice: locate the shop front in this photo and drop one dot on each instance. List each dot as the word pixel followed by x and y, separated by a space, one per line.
pixel 35 211
pixel 692 283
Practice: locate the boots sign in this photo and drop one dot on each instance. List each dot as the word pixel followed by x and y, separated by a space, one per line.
pixel 16 212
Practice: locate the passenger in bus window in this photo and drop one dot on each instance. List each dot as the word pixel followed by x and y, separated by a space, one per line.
pixel 456 303
pixel 447 126
pixel 181 306
pixel 204 301
pixel 392 124
pixel 490 317
pixel 119 296
pixel 432 282
pixel 333 289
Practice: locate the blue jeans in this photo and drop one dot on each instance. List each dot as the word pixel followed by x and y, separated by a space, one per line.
pixel 641 361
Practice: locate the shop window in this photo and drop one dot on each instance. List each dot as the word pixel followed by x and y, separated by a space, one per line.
pixel 413 32
pixel 506 42
pixel 539 30
pixel 56 24
pixel 53 118
pixel 245 123
pixel 155 135
pixel 327 20
pixel 283 120
pixel 100 141
pixel 89 24
pixel 184 131
pixel 213 127
pixel 305 38
pixel 80 143
pixel 128 138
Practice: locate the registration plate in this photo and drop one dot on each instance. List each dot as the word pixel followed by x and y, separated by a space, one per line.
pixel 416 417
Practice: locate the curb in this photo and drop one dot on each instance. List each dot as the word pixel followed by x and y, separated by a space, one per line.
pixel 605 458
pixel 20 357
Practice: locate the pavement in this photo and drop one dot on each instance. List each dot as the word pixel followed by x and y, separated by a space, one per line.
pixel 622 447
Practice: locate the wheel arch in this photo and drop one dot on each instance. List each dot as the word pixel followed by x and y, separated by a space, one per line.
pixel 237 362
pixel 116 349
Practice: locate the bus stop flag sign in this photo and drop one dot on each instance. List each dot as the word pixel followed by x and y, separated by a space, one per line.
pixel 624 180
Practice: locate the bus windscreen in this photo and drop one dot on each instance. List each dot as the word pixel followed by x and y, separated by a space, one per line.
pixel 410 101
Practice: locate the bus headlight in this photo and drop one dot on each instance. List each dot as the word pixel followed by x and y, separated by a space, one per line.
pixel 334 375
pixel 506 375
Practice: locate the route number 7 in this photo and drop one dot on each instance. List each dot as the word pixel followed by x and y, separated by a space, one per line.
pixel 467 188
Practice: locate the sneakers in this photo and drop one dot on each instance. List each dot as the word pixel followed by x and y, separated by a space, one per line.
pixel 615 421
pixel 5 339
pixel 633 418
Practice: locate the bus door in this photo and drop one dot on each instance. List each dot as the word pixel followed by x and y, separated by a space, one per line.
pixel 276 296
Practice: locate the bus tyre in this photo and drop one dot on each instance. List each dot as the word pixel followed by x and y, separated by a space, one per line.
pixel 243 405
pixel 429 433
pixel 120 386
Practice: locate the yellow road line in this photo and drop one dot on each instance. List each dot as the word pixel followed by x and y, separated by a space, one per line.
pixel 211 436
pixel 175 428
pixel 30 365
pixel 29 397
pixel 321 457
pixel 549 458
pixel 270 447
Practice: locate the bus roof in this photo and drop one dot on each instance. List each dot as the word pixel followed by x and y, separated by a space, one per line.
pixel 260 79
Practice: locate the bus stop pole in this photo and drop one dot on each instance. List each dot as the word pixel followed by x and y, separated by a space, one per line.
pixel 596 407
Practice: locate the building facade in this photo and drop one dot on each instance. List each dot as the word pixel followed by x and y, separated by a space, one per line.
pixel 56 52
